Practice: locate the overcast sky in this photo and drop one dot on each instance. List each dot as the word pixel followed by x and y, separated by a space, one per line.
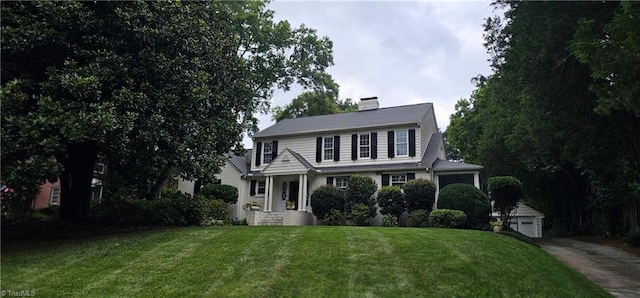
pixel 403 52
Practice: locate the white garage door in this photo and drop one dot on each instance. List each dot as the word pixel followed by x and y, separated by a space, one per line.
pixel 527 226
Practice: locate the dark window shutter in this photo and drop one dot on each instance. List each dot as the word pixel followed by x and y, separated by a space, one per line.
pixel 252 191
pixel 411 176
pixel 385 179
pixel 390 145
pixel 354 146
pixel 336 148
pixel 318 149
pixel 258 153
pixel 374 145
pixel 330 180
pixel 274 149
pixel 412 142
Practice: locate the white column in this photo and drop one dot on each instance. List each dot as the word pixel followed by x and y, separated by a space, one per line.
pixel 436 179
pixel 304 192
pixel 267 194
pixel 476 180
pixel 300 192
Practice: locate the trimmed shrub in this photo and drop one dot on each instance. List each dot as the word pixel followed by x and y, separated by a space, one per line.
pixel 360 214
pixel 226 193
pixel 506 191
pixel 420 194
pixel 333 218
pixel 172 208
pixel 418 218
pixel 446 218
pixel 467 198
pixel 325 198
pixel 360 190
pixel 389 221
pixel 391 201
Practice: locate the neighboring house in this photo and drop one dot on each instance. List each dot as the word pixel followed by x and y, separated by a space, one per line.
pixel 525 220
pixel 49 194
pixel 391 145
pixel 230 173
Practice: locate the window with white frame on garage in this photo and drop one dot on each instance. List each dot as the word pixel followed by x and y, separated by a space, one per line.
pixel 398 180
pixel 328 148
pixel 365 145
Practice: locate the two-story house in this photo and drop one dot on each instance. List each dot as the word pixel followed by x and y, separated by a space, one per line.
pixel 391 145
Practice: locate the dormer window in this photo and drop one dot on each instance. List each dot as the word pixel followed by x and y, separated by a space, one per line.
pixel 267 152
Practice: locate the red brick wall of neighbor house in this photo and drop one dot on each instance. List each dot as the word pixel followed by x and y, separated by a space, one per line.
pixel 42 200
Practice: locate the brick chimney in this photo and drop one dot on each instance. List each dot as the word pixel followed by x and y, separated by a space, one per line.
pixel 368 104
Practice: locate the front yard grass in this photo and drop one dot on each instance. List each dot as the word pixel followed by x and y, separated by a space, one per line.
pixel 291 262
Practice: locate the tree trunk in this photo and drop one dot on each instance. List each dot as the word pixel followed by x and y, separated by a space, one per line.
pixel 75 180
pixel 162 180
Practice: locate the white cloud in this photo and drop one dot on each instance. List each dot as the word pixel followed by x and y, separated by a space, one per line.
pixel 402 52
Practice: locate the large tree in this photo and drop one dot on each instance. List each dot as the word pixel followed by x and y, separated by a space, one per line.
pixel 557 113
pixel 155 87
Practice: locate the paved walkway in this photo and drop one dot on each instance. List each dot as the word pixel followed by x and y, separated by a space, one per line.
pixel 616 271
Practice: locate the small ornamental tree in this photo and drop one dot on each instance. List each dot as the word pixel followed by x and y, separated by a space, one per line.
pixel 360 190
pixel 391 201
pixel 506 191
pixel 326 198
pixel 420 194
pixel 227 193
pixel 467 198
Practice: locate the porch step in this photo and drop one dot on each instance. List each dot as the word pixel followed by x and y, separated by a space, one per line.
pixel 272 219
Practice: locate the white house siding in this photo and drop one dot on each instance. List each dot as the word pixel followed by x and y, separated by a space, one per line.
pixel 428 126
pixel 306 147
pixel 186 186
pixel 229 175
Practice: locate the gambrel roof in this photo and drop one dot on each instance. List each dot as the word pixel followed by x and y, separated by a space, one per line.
pixel 401 115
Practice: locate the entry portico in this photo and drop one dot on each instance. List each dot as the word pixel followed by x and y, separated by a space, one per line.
pixel 290 171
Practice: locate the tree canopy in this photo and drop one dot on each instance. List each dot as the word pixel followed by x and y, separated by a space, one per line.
pixel 560 111
pixel 156 88
pixel 323 100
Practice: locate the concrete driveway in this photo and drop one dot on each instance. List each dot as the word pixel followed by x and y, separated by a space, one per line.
pixel 614 270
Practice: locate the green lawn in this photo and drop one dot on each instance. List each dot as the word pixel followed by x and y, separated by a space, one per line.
pixel 291 262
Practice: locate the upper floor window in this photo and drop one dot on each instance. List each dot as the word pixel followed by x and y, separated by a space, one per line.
pixel 267 152
pixel 342 182
pixel 365 146
pixel 327 148
pixel 398 180
pixel 402 143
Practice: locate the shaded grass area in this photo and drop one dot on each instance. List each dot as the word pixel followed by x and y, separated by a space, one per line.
pixel 291 262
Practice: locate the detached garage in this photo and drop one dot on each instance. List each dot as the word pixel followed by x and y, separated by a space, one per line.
pixel 526 220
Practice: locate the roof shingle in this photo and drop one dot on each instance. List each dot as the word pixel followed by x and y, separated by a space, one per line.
pixel 408 114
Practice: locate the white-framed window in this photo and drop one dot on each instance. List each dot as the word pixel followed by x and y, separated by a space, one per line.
pixel 99 165
pixel 342 182
pixel 54 197
pixel 398 180
pixel 260 186
pixel 402 143
pixel 365 145
pixel 267 150
pixel 327 148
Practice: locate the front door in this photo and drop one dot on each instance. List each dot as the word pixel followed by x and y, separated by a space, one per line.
pixel 293 192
